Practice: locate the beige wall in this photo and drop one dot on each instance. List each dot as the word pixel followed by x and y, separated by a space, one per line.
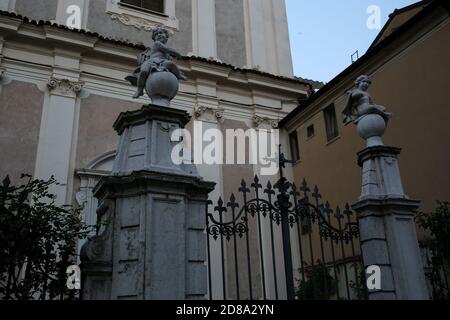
pixel 20 118
pixel 414 87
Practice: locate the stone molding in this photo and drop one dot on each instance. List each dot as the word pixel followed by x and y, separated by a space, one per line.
pixel 264 123
pixel 208 113
pixel 144 20
pixel 138 23
pixel 65 87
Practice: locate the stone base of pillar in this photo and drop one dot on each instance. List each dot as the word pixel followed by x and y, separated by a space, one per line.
pixel 389 240
pixel 153 217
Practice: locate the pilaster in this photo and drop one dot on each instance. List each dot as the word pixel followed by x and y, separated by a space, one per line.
pixel 57 137
pixel 204 28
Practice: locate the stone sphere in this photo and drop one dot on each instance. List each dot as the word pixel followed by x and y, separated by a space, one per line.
pixel 162 87
pixel 371 126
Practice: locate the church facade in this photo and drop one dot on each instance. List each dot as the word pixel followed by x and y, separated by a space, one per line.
pixel 62 82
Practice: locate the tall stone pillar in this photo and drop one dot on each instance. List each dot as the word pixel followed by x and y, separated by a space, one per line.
pixel 151 243
pixel 387 228
pixel 386 214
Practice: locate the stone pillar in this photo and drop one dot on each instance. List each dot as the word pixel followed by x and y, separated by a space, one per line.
pixel 387 228
pixel 151 244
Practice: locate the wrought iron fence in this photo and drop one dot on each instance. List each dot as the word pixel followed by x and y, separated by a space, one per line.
pixel 282 243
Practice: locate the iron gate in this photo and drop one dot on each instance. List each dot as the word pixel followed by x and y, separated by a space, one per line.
pixel 320 246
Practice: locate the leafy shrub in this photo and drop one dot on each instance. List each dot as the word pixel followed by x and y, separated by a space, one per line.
pixel 38 241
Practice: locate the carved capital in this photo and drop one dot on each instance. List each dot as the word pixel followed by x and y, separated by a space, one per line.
pixel 138 23
pixel 264 123
pixel 208 113
pixel 65 87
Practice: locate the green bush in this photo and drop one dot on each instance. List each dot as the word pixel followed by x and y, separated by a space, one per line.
pixel 318 284
pixel 38 241
pixel 438 224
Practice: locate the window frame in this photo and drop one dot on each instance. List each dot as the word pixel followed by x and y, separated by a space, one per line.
pixel 331 136
pixel 294 134
pixel 122 3
pixel 308 135
pixel 142 18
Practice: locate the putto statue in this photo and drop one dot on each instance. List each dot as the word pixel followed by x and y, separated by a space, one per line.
pixel 157 73
pixel 370 118
pixel 360 103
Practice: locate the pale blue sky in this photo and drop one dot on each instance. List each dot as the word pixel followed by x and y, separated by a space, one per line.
pixel 325 33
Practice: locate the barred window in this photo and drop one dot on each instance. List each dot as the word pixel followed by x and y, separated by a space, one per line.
pixel 147 5
pixel 331 122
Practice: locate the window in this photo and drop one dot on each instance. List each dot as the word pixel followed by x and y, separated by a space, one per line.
pixel 331 122
pixel 144 14
pixel 310 131
pixel 150 5
pixel 293 142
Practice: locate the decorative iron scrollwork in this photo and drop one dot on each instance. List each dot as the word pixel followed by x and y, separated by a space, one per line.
pixel 295 201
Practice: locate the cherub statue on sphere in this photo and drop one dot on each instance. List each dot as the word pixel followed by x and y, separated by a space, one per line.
pixel 370 118
pixel 157 59
pixel 360 102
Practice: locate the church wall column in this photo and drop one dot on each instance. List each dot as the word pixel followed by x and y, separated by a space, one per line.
pixel 59 126
pixel 267 36
pixel 7 5
pixel 207 115
pixel 204 28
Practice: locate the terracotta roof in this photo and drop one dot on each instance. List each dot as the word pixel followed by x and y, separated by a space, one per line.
pixel 141 46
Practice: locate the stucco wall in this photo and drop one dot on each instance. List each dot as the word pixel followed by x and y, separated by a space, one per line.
pixel 38 10
pixel 20 118
pixel 231 32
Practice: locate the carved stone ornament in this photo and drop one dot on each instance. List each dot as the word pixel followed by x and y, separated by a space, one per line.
pixel 138 23
pixel 264 123
pixel 2 72
pixel 208 113
pixel 65 87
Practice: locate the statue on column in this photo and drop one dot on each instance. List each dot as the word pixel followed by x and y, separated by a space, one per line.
pixel 370 118
pixel 360 103
pixel 156 71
